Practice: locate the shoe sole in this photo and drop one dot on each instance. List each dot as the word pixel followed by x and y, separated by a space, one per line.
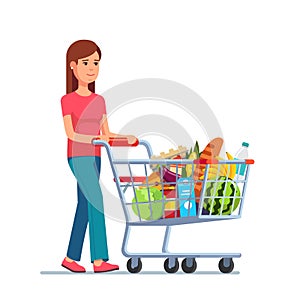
pixel 72 270
pixel 106 271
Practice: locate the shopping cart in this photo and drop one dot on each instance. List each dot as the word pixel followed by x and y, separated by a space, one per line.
pixel 178 200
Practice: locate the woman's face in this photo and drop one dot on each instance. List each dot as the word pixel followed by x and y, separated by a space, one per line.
pixel 87 68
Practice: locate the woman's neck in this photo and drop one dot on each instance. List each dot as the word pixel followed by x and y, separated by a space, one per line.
pixel 83 90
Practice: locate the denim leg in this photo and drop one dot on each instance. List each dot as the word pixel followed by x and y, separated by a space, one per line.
pixel 79 227
pixel 86 171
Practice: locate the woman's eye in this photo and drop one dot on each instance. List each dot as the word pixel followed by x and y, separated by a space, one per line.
pixel 85 63
pixel 96 63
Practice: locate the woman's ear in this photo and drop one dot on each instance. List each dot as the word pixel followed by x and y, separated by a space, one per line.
pixel 73 64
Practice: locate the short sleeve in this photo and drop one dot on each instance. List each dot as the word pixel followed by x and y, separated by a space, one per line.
pixel 66 106
pixel 103 105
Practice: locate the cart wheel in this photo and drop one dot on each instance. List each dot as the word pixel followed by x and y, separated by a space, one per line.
pixel 135 269
pixel 169 269
pixel 189 265
pixel 226 265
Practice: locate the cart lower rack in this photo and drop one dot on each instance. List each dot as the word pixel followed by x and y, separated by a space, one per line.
pixel 153 193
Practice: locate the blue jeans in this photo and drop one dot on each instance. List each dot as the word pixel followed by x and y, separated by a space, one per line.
pixel 89 209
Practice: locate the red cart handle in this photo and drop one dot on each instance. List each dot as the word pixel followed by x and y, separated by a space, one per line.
pixel 115 142
pixel 215 161
pixel 122 142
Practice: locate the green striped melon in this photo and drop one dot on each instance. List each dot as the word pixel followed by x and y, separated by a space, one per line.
pixel 221 194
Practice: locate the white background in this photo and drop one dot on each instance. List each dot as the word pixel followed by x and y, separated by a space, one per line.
pixel 241 57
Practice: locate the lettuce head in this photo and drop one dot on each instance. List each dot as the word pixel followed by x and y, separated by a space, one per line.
pixel 145 207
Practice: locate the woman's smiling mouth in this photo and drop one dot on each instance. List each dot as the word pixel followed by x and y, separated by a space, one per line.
pixel 90 74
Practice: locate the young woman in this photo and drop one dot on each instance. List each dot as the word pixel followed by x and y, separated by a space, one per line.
pixel 84 116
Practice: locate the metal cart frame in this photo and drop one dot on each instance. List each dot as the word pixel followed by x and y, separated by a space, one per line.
pixel 171 264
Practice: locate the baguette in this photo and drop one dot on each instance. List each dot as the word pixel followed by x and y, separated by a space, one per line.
pixel 211 150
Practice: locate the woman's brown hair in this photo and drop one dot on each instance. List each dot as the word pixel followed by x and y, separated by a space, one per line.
pixel 78 50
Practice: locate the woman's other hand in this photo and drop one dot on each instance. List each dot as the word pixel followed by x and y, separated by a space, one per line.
pixel 131 139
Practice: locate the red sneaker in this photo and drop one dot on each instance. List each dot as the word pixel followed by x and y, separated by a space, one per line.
pixel 73 266
pixel 105 267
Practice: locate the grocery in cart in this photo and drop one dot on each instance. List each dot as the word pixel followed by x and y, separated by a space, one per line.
pixel 176 188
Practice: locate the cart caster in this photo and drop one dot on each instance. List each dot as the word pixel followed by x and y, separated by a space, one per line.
pixel 189 265
pixel 134 265
pixel 226 265
pixel 171 265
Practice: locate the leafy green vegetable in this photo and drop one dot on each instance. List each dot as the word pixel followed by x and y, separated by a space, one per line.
pixel 183 172
pixel 187 169
pixel 142 206
pixel 196 149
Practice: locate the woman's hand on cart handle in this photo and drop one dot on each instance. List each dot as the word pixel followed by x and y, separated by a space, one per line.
pixel 118 140
pixel 101 138
pixel 124 140
pixel 132 139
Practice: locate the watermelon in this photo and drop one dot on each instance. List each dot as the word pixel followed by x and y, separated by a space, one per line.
pixel 221 194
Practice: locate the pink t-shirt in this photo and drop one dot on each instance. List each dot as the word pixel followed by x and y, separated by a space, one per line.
pixel 86 113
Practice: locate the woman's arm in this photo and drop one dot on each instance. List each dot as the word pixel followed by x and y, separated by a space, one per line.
pixel 77 137
pixel 106 132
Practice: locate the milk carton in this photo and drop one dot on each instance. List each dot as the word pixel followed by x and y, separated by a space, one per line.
pixel 186 196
